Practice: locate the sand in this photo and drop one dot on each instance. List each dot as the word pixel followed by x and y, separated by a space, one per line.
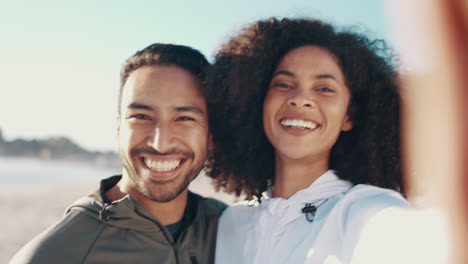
pixel 28 210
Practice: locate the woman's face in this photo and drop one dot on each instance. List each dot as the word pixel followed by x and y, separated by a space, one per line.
pixel 305 108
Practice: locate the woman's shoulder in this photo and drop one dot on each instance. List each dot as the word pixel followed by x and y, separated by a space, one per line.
pixel 362 203
pixel 235 221
pixel 239 211
pixel 368 196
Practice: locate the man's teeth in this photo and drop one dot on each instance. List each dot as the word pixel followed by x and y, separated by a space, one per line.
pixel 298 123
pixel 162 166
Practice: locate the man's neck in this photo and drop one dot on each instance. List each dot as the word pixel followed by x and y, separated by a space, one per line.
pixel 167 213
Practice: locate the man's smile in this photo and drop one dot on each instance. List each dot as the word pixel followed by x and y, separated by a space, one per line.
pixel 162 166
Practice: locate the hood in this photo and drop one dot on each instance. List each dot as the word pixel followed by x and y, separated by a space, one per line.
pixel 129 214
pixel 122 213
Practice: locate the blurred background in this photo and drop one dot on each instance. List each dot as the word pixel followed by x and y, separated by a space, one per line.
pixel 60 62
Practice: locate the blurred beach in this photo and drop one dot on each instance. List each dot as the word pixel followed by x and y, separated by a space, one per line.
pixel 35 194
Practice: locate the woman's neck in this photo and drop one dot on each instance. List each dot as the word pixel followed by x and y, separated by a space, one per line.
pixel 292 176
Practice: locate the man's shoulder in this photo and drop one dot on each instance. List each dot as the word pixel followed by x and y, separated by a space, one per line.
pixel 209 206
pixel 68 240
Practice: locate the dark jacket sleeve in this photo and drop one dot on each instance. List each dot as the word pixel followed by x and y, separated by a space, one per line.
pixel 68 241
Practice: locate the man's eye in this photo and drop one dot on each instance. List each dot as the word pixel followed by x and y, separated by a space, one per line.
pixel 141 117
pixel 185 118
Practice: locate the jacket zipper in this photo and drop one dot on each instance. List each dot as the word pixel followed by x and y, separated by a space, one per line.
pixel 174 245
pixel 176 253
pixel 193 259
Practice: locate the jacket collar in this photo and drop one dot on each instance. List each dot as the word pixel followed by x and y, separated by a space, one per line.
pixel 126 212
pixel 325 187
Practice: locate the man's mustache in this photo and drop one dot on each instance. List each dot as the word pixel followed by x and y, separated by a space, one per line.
pixel 152 151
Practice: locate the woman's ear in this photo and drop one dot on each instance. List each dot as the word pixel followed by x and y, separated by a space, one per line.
pixel 347 124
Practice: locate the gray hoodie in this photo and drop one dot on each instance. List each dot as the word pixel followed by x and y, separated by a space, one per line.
pixel 123 231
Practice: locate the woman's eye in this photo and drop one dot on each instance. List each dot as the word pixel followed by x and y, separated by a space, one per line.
pixel 324 90
pixel 283 85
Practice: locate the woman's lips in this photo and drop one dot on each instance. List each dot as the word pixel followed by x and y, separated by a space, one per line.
pixel 299 124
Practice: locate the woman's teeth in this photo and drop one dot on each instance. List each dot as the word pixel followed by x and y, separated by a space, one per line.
pixel 297 123
pixel 162 166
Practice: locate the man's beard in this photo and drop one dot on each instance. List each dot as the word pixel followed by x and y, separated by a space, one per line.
pixel 160 191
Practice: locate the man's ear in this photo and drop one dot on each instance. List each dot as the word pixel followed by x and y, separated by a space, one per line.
pixel 117 125
pixel 347 124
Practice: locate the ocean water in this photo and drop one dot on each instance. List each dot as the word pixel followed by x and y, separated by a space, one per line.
pixel 35 194
pixel 20 172
pixel 35 171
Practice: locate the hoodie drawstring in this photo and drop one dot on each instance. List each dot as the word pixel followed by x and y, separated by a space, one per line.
pixel 104 214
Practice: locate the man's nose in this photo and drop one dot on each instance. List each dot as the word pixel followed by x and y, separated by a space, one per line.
pixel 162 139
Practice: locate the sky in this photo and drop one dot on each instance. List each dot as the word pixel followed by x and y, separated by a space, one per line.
pixel 60 60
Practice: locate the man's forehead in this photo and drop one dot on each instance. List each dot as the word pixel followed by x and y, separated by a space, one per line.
pixel 162 73
pixel 162 86
pixel 187 107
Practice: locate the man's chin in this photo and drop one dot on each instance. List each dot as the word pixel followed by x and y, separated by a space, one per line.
pixel 164 191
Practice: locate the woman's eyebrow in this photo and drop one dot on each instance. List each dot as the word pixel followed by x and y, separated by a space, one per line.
pixel 318 76
pixel 283 72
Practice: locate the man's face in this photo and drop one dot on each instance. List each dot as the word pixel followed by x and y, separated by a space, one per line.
pixel 162 132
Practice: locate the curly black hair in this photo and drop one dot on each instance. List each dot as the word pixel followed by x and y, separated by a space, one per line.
pixel 242 161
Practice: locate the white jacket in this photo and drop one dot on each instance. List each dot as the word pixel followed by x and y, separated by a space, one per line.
pixel 276 231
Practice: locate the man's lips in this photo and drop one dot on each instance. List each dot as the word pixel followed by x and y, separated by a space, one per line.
pixel 162 165
pixel 162 162
pixel 148 151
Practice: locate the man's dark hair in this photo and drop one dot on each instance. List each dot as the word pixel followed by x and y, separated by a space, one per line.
pixel 243 159
pixel 159 54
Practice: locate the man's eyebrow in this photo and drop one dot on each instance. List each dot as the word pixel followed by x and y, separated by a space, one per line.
pixel 284 73
pixel 194 109
pixel 140 106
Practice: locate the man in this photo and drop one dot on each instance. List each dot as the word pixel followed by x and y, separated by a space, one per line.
pixel 147 215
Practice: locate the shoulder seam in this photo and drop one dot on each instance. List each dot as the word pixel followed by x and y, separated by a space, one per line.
pixel 92 244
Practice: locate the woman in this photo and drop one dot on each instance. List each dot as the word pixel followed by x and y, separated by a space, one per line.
pixel 306 125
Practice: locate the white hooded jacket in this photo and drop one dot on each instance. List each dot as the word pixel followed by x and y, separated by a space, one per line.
pixel 276 231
